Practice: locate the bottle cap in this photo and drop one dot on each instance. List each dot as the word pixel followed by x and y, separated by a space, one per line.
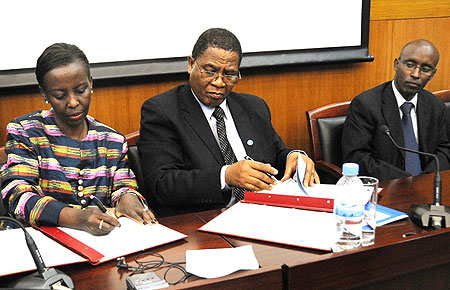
pixel 350 169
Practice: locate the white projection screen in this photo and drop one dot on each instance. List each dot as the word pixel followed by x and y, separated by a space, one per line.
pixel 151 37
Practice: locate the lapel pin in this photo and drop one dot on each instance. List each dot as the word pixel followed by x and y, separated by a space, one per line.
pixel 250 142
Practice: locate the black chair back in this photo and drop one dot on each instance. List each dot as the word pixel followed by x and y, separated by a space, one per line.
pixel 330 131
pixel 325 125
pixel 444 95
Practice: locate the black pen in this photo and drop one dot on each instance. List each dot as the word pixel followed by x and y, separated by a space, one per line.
pixel 267 173
pixel 100 205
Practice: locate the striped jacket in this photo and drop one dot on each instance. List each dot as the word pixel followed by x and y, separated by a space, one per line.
pixel 47 171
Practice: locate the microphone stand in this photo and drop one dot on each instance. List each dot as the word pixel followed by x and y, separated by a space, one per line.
pixel 421 214
pixel 44 278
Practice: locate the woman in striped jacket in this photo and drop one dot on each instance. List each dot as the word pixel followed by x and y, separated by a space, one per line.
pixel 59 158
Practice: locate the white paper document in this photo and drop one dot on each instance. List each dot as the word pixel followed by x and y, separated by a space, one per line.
pixel 291 187
pixel 290 226
pixel 17 258
pixel 213 263
pixel 296 187
pixel 131 237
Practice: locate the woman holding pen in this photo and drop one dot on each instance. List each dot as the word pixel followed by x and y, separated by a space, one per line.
pixel 59 158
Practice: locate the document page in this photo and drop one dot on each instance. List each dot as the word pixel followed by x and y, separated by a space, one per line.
pixel 17 258
pixel 213 263
pixel 290 226
pixel 291 187
pixel 129 238
pixel 296 187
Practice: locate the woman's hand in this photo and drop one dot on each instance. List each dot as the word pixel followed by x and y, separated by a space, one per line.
pixel 130 205
pixel 91 220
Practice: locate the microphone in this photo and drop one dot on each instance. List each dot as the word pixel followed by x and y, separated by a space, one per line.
pixel 421 214
pixel 44 278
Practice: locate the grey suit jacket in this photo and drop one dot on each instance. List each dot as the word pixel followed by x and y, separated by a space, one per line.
pixel 180 156
pixel 364 143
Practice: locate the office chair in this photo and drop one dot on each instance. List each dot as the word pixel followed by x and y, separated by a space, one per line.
pixel 325 126
pixel 134 162
pixel 444 95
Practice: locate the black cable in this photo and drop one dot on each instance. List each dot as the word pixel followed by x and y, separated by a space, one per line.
pixel 35 254
pixel 144 265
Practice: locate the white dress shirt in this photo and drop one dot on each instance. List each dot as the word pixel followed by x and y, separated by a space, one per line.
pixel 400 101
pixel 232 134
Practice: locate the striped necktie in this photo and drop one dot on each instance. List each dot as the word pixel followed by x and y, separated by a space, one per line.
pixel 225 147
pixel 412 160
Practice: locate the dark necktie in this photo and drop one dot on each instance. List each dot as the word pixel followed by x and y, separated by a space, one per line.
pixel 412 160
pixel 225 147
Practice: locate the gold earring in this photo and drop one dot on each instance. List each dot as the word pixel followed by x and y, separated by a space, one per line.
pixel 92 91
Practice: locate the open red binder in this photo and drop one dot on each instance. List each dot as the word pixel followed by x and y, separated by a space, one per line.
pixel 295 201
pixel 73 244
pixel 130 237
pixel 63 246
pixel 276 224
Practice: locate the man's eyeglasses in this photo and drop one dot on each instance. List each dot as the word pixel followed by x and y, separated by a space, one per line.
pixel 411 66
pixel 228 78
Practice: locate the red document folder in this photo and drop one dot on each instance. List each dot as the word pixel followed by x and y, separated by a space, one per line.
pixel 130 237
pixel 276 224
pixel 63 246
pixel 302 202
pixel 73 244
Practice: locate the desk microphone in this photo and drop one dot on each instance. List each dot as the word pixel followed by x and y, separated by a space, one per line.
pixel 421 214
pixel 44 278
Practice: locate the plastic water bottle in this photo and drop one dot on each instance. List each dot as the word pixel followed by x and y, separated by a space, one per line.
pixel 349 209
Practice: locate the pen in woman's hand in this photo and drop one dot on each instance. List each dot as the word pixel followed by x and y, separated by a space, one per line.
pixel 100 205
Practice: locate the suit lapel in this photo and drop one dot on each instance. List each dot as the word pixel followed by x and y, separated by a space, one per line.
pixel 195 117
pixel 243 124
pixel 423 119
pixel 392 116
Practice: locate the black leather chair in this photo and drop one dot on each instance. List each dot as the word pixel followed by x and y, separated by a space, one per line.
pixel 134 162
pixel 444 95
pixel 325 126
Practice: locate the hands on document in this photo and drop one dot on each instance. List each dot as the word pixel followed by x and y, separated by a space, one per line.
pixel 131 206
pixel 307 166
pixel 251 174
pixel 296 187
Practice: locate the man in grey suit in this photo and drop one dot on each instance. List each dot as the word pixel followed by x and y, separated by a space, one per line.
pixel 181 137
pixel 364 143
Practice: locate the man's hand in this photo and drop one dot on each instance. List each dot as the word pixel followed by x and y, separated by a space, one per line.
pixel 250 175
pixel 311 175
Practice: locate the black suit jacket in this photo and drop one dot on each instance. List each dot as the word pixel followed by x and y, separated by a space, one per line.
pixel 364 143
pixel 180 156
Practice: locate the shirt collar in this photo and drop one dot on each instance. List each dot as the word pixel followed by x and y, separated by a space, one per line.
pixel 400 99
pixel 208 111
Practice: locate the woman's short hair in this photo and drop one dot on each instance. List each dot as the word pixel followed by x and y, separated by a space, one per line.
pixel 57 55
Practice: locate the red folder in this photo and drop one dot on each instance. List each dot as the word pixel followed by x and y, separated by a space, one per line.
pixel 70 242
pixel 302 202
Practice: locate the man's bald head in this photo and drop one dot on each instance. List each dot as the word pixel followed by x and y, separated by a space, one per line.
pixel 415 67
pixel 420 44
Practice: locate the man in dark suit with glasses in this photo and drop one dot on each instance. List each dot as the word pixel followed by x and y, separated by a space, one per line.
pixel 415 117
pixel 202 145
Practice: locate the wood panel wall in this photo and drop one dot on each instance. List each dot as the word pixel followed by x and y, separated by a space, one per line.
pixel 289 91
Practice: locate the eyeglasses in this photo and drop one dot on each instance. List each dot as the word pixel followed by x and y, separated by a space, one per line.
pixel 411 66
pixel 228 78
